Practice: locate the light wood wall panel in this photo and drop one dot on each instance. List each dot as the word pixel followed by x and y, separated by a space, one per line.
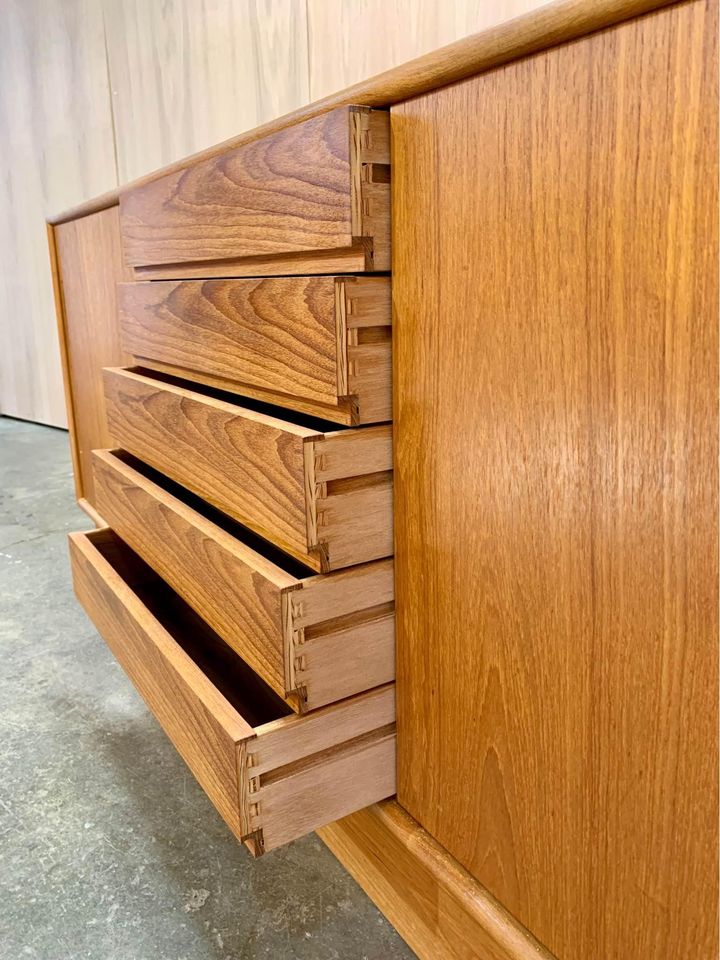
pixel 351 40
pixel 57 149
pixel 186 74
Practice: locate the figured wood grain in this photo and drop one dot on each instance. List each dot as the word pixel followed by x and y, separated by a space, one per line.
pixel 202 725
pixel 279 336
pixel 544 27
pixel 556 458
pixel 293 192
pixel 88 261
pixel 258 469
pixel 433 903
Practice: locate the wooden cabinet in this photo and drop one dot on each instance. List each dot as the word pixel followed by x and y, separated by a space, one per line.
pixel 547 439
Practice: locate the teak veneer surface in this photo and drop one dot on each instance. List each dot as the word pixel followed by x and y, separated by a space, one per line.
pixel 556 465
pixel 88 260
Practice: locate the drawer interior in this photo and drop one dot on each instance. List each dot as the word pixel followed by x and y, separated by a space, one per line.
pixel 296 417
pixel 285 563
pixel 230 675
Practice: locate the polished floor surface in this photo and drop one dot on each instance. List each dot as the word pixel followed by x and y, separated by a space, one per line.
pixel 108 848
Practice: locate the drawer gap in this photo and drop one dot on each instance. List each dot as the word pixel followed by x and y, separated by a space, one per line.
pixel 372 334
pixel 348 484
pixel 247 537
pixel 234 679
pixel 318 424
pixel 358 617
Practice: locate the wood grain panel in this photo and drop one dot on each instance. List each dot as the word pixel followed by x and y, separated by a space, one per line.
pixel 277 333
pixel 185 75
pixel 555 293
pixel 89 264
pixel 298 191
pixel 57 150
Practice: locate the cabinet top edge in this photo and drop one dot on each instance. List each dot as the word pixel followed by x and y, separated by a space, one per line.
pixel 553 23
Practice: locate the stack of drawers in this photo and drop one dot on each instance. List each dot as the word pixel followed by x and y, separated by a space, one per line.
pixel 245 579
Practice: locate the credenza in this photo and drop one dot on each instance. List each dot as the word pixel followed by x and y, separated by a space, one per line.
pixel 397 419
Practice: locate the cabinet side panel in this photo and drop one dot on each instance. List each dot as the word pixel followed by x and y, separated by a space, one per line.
pixel 555 338
pixel 89 263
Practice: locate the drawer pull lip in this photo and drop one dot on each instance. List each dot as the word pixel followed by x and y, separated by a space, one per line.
pixel 316 759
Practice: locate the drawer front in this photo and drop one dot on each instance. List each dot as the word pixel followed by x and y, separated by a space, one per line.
pixel 273 776
pixel 318 187
pixel 266 473
pixel 322 343
pixel 313 639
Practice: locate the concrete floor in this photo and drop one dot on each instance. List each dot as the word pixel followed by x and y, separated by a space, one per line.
pixel 108 848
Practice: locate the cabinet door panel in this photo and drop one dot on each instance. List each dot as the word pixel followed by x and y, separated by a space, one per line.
pixel 555 337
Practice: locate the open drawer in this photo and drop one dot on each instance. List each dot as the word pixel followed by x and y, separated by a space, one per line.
pixel 314 638
pixel 273 776
pixel 322 495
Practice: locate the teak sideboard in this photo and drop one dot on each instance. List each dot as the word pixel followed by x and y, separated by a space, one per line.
pixel 397 418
